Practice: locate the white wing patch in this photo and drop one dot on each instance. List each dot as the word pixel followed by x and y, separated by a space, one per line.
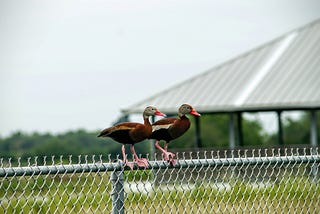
pixel 157 127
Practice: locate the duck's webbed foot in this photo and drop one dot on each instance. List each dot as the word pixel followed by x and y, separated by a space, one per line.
pixel 169 156
pixel 129 164
pixel 142 162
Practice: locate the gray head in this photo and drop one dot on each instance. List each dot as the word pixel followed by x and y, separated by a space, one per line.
pixel 187 109
pixel 151 111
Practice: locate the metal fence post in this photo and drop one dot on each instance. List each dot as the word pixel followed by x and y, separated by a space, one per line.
pixel 117 193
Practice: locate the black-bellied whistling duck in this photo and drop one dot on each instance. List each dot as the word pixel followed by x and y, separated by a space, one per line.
pixel 131 133
pixel 168 129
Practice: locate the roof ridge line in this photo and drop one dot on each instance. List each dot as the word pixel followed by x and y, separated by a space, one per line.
pixel 266 67
pixel 231 60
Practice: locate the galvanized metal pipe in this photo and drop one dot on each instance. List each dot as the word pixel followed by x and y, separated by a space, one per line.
pixel 117 193
pixel 190 163
pixel 58 169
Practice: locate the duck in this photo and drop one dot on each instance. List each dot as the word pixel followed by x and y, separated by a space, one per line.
pixel 168 129
pixel 132 133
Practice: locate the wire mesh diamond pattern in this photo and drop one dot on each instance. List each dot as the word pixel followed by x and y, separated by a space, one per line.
pixel 242 181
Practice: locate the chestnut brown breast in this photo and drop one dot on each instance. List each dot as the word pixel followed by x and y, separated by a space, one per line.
pixel 128 132
pixel 169 128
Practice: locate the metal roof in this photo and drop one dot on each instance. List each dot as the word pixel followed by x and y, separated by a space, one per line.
pixel 281 74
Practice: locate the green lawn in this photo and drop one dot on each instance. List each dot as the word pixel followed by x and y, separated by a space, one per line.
pixel 90 193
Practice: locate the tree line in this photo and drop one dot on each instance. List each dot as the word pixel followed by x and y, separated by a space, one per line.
pixel 214 133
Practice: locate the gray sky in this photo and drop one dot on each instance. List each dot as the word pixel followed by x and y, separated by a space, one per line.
pixel 74 64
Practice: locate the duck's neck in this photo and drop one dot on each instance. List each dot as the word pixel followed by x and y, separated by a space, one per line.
pixel 146 121
pixel 182 116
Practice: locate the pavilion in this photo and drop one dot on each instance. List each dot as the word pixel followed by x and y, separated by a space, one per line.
pixel 281 75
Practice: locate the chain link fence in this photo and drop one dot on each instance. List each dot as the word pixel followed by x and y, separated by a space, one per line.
pixel 241 181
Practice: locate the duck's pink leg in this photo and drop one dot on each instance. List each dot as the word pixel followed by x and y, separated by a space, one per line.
pixel 142 162
pixel 172 155
pixel 168 156
pixel 125 160
pixel 166 146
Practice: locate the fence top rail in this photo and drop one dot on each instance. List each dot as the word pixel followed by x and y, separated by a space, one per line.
pixel 86 167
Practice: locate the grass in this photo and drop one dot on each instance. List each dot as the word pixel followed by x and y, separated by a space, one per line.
pixel 90 193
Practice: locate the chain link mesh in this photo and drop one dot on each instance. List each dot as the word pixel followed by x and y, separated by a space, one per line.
pixel 243 181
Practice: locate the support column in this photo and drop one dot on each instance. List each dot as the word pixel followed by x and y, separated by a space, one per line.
pixel 239 126
pixel 313 129
pixel 314 142
pixel 198 143
pixel 231 131
pixel 280 130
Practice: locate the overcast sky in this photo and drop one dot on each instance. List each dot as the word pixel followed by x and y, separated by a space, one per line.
pixel 74 64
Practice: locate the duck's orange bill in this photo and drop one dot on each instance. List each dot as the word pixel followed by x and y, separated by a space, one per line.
pixel 193 112
pixel 158 113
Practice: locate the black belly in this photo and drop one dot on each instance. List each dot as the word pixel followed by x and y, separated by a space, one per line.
pixel 122 136
pixel 161 134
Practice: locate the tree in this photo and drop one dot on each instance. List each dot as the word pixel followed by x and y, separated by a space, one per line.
pixel 215 132
pixel 296 131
